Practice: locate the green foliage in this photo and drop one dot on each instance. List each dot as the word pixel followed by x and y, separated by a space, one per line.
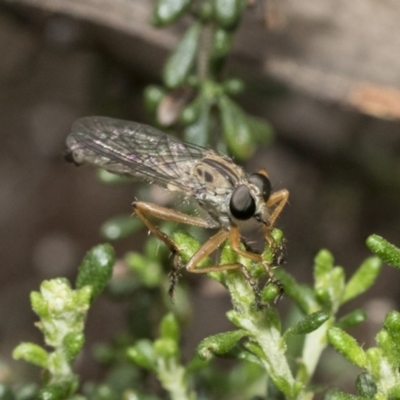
pixel 62 312
pixel 258 342
pixel 228 12
pixel 385 250
pixel 120 227
pixel 168 11
pixel 180 63
pixel 96 269
pixel 162 358
pixel 195 67
pixel 258 339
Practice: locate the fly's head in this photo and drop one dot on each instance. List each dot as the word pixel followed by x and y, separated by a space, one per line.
pixel 249 198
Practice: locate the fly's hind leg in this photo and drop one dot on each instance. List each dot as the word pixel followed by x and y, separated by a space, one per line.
pixel 142 209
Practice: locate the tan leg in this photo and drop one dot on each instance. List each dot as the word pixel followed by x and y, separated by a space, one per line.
pixel 279 199
pixel 211 245
pixel 205 250
pixel 234 237
pixel 167 214
pixel 141 208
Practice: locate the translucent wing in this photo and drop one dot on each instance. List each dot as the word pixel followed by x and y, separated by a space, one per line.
pixel 133 149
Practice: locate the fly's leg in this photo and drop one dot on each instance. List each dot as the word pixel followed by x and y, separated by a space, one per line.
pixel 208 247
pixel 279 255
pixel 278 258
pixel 256 290
pixel 235 239
pixel 278 200
pixel 141 209
pixel 212 244
pixel 205 250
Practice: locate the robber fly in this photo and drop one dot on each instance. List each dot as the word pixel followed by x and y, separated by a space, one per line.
pixel 224 190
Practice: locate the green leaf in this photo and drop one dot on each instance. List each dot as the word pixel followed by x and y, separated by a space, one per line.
pixel 6 393
pixel 167 12
pixel 362 279
pixel 188 245
pixel 142 353
pixel 329 281
pixel 166 348
pixel 103 391
pixel 169 328
pixel 352 319
pixel 153 95
pixel 394 393
pixel 228 256
pixel 73 343
pixel 261 130
pixel 228 12
pixel 219 344
pixel 31 353
pixel 389 338
pixel 347 346
pixel 384 250
pixel 96 269
pixel 39 305
pixel 392 325
pixel 379 367
pixel 180 63
pixel 336 288
pixel 191 112
pixel 149 271
pixel 59 391
pixel 308 324
pixel 270 292
pixel 120 227
pixel 198 131
pixel 233 86
pixel 112 179
pixel 343 396
pixel 237 129
pixel 256 350
pixel 302 295
pixel 389 347
pixel 365 385
pixel 323 266
pixel 222 43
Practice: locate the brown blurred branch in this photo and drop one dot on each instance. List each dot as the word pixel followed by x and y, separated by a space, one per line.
pixel 332 50
pixel 128 16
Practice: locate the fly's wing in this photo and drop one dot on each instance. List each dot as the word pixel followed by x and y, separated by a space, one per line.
pixel 136 150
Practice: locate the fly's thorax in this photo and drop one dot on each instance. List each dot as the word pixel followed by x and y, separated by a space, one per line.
pixel 217 173
pixel 216 204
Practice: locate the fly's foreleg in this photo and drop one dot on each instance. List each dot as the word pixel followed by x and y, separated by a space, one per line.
pixel 277 200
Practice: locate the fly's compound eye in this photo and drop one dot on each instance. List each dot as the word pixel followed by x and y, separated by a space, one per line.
pixel 263 183
pixel 242 204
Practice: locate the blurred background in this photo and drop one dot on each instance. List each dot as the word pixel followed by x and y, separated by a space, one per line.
pixel 326 75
